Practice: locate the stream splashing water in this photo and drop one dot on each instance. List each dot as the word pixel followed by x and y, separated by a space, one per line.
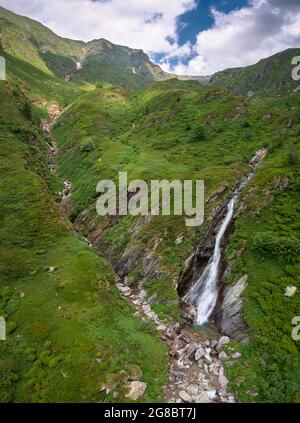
pixel 204 294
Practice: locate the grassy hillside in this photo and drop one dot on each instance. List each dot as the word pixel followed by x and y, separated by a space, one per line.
pixel 269 77
pixel 68 329
pixel 180 130
pixel 56 68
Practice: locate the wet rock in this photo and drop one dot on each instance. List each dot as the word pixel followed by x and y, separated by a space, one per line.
pixel 128 281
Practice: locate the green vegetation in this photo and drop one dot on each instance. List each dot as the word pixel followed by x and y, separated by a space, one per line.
pixel 271 76
pixel 69 330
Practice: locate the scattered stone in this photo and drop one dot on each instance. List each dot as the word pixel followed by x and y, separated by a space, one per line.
pixel 193 389
pixel 213 343
pixel 128 281
pixel 179 240
pixel 223 356
pixel 207 343
pixel 211 394
pixel 135 373
pixel 222 341
pixel 202 398
pixel 223 381
pixel 136 389
pixel 190 349
pixel 236 355
pixel 51 269
pixel 162 328
pixel 114 380
pixel 185 396
pixel 199 353
pixel 290 291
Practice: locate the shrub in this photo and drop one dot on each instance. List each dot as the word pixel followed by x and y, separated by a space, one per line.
pixel 270 244
pixel 198 134
pixel 26 111
pixel 87 145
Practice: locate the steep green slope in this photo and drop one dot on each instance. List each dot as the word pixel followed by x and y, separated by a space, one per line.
pixel 68 330
pixel 271 76
pixel 178 129
pixel 50 65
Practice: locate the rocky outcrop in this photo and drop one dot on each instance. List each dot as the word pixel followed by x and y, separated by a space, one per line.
pixel 231 321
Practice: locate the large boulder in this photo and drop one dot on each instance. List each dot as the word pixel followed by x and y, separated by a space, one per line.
pixel 231 313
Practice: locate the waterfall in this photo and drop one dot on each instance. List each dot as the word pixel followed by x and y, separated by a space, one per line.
pixel 205 301
pixel 204 294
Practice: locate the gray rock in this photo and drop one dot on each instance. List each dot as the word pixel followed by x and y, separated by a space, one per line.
pixel 202 398
pixel 231 314
pixel 223 381
pixel 236 355
pixel 199 353
pixel 193 389
pixel 223 356
pixel 185 396
pixel 222 341
pixel 136 389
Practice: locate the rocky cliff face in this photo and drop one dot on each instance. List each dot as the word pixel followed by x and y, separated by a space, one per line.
pixel 230 314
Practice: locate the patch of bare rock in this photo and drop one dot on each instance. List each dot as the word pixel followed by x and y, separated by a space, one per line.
pixel 196 373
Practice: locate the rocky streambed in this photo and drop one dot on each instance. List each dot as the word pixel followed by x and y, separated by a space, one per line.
pixel 196 372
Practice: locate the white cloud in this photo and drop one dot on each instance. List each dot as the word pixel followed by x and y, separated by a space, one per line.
pixel 238 38
pixel 148 24
pixel 244 36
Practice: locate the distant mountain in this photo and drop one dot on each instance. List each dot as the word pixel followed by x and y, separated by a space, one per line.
pixel 98 61
pixel 271 76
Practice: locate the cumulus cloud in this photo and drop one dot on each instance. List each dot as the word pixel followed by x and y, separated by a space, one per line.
pixel 244 36
pixel 149 24
pixel 238 38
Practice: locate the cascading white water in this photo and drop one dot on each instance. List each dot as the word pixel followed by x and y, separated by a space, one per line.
pixel 208 281
pixel 204 294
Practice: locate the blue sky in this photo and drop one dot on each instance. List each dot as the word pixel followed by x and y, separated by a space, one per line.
pixel 200 18
pixel 192 37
